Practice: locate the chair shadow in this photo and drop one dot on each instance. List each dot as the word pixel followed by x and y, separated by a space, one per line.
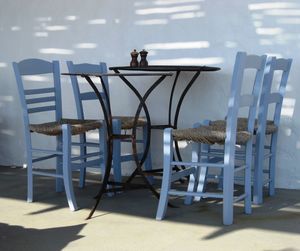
pixel 280 213
pixel 15 238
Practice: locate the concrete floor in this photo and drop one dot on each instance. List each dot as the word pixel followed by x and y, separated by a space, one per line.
pixel 126 221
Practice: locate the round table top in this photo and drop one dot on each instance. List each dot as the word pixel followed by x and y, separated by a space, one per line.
pixel 167 68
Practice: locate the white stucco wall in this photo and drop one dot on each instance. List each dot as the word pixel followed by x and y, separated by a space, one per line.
pixel 174 32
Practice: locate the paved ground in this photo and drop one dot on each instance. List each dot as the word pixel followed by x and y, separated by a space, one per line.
pixel 126 222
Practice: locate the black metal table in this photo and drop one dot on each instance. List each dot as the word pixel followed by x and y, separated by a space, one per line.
pixel 171 123
pixel 106 108
pixel 161 71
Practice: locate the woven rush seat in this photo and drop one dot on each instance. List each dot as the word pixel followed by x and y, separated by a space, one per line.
pixel 209 135
pixel 242 125
pixel 54 128
pixel 127 122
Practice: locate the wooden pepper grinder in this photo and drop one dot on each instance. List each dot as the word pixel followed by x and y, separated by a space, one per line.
pixel 134 61
pixel 143 61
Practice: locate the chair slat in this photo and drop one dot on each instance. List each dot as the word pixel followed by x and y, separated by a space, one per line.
pixel 42 109
pixel 282 64
pixel 35 66
pixel 90 95
pixel 40 100
pixel 274 98
pixel 86 68
pixel 39 91
pixel 254 61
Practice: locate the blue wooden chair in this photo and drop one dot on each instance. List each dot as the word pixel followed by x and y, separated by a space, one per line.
pixel 263 129
pixel 269 128
pixel 119 122
pixel 210 135
pixel 42 101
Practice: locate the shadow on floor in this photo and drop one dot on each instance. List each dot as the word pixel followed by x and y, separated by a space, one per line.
pixel 280 213
pixel 16 238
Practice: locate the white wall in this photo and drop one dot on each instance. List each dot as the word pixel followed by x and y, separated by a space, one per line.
pixel 206 32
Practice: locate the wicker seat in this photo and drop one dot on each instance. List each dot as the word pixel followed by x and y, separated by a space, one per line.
pixel 127 122
pixel 242 125
pixel 55 128
pixel 209 135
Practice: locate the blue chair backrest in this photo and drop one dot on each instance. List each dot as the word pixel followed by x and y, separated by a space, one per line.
pixel 38 99
pixel 268 97
pixel 238 100
pixel 79 95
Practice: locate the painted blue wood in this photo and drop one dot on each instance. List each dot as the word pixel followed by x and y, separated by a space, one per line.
pixel 167 172
pixel 80 97
pixel 229 166
pixel 267 98
pixel 67 176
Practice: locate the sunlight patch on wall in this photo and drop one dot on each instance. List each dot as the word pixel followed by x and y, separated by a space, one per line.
pixel 273 54
pixel 178 45
pixel 15 28
pixel 43 19
pixel 288 107
pixel 230 44
pixel 170 2
pixel 188 61
pixel 269 31
pixel 287 131
pixel 56 28
pixel 291 12
pixel 187 15
pixel 97 21
pixel 275 5
pixel 56 51
pixel 93 136
pixel 41 34
pixel 86 46
pixel 6 98
pixel 8 132
pixel 71 18
pixel 152 22
pixel 289 88
pixel 2 64
pixel 168 10
pixel 36 78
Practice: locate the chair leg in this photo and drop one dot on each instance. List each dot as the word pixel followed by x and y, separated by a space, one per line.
pixel 117 151
pixel 67 172
pixel 29 175
pixel 166 182
pixel 148 161
pixel 103 148
pixel 258 170
pixel 272 164
pixel 194 178
pixel 83 151
pixel 203 172
pixel 59 163
pixel 228 185
pixel 247 201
